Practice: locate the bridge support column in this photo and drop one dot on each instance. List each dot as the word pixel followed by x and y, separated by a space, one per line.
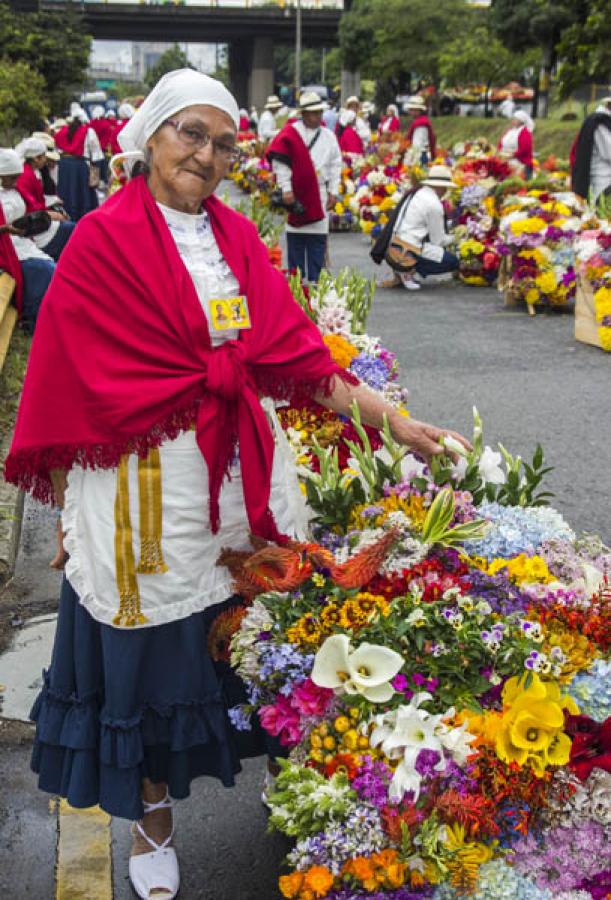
pixel 262 72
pixel 240 67
pixel 350 84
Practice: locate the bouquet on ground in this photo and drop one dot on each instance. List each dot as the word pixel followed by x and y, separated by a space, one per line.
pixel 435 662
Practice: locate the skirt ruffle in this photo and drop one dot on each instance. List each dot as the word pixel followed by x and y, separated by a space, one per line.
pixel 117 706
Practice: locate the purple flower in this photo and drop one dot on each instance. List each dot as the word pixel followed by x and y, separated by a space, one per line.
pixel 426 762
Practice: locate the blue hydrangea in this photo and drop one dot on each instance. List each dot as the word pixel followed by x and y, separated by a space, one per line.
pixel 517 529
pixel 591 691
pixel 371 370
pixel 497 881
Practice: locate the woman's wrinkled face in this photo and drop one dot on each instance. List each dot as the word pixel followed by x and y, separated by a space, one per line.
pixel 189 154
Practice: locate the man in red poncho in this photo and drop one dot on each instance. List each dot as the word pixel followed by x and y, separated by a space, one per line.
pixel 307 164
pixel 420 131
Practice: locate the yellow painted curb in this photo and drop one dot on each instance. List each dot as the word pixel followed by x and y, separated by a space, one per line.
pixel 84 857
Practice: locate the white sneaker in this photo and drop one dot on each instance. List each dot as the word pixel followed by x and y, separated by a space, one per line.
pixel 156 871
pixel 411 285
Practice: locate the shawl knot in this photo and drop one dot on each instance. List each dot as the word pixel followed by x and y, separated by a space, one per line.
pixel 227 373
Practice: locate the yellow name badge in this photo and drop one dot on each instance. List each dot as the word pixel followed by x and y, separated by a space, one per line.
pixel 229 313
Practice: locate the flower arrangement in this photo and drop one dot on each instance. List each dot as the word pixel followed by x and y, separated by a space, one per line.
pixel 434 662
pixel 593 251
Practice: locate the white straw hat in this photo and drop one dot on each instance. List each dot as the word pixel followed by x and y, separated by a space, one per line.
pixel 416 102
pixel 273 102
pixel 311 102
pixel 439 176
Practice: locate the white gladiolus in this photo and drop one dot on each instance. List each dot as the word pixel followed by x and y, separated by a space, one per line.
pixel 367 670
pixel 490 467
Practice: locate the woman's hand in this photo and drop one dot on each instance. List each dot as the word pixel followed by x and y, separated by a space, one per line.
pixel 418 436
pixel 10 229
pixel 424 438
pixel 56 216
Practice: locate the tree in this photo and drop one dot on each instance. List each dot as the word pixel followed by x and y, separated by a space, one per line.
pixel 394 40
pixel 51 43
pixel 311 65
pixel 585 49
pixel 174 58
pixel 480 58
pixel 22 98
pixel 521 24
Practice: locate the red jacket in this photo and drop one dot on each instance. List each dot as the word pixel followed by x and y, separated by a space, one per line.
pixel 349 141
pixel 104 129
pixel 31 189
pixel 394 124
pixel 524 153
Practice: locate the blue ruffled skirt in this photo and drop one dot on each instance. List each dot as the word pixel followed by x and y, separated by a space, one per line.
pixel 118 706
pixel 73 187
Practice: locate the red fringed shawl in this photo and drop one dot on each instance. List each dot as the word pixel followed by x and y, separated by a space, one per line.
pixel 122 357
pixel 423 122
pixel 288 147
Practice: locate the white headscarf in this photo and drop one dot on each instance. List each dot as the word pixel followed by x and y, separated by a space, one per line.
pixel 126 111
pixel 30 147
pixel 346 117
pixel 174 92
pixel 97 112
pixel 10 162
pixel 524 118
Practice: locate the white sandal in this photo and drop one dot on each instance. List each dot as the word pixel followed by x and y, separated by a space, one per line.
pixel 158 870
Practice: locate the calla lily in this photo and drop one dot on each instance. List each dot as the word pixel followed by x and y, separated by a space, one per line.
pixel 367 670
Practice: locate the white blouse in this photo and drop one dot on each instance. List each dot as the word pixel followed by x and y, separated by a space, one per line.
pixel 192 581
pixel 14 208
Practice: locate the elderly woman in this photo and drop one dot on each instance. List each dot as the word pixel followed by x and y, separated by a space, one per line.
pixel 390 122
pixel 31 187
pixel 141 397
pixel 79 165
pixel 517 142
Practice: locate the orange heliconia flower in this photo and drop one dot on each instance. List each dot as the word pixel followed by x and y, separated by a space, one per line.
pixel 274 568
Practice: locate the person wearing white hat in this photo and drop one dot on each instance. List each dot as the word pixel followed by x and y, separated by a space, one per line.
pixel 52 240
pixel 79 166
pixel 104 130
pixel 307 163
pixel 420 132
pixel 37 267
pixel 360 124
pixel 517 142
pixel 164 326
pixel 418 223
pixel 591 154
pixel 267 127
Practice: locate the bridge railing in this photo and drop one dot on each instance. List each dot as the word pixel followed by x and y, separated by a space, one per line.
pixel 236 4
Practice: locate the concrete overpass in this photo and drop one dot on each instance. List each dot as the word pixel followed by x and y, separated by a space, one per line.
pixel 249 32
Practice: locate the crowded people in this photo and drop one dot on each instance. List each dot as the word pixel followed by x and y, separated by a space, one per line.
pixel 36 267
pixel 307 163
pixel 30 185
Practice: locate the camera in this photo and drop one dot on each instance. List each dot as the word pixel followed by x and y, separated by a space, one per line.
pixel 277 202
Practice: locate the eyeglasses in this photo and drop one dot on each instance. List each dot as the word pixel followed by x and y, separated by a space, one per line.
pixel 192 135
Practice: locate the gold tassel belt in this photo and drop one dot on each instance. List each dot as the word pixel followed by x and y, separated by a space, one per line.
pixel 151 556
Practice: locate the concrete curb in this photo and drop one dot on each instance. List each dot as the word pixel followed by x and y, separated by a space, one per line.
pixel 11 518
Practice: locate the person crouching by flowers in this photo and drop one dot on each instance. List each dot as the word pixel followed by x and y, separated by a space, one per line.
pixel 415 238
pixel 517 142
pixel 141 474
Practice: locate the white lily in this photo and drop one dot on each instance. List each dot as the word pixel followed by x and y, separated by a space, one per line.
pixel 450 443
pixel 404 732
pixel 367 670
pixel 490 467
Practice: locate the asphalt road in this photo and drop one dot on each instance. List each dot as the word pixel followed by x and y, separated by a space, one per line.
pixel 457 346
